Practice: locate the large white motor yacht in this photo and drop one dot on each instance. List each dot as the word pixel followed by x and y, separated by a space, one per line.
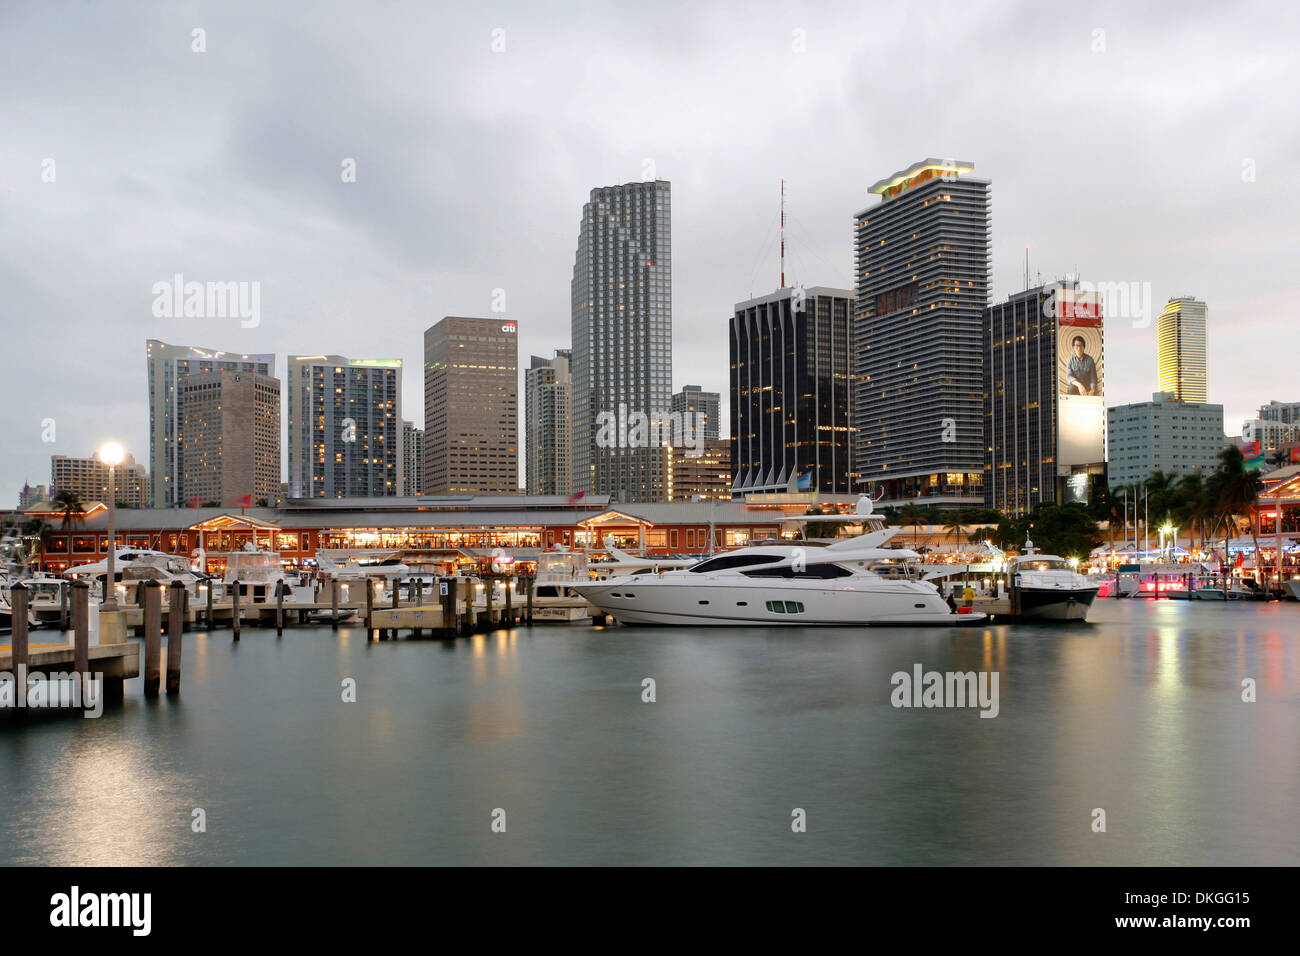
pixel 783 584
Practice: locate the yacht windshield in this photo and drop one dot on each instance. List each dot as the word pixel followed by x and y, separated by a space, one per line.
pixel 728 561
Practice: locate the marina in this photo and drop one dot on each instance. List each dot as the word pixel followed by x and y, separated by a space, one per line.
pixel 549 724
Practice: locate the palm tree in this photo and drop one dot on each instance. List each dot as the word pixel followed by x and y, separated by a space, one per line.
pixel 73 510
pixel 1235 491
pixel 956 529
pixel 913 517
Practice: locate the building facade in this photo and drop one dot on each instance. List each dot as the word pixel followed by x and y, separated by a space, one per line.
pixel 1044 410
pixel 702 474
pixel 922 264
pixel 1287 413
pixel 230 444
pixel 548 398
pixel 1164 434
pixel 1181 350
pixel 345 426
pixel 87 478
pixel 791 396
pixel 168 366
pixel 471 407
pixel 705 409
pixel 31 494
pixel 412 452
pixel 622 341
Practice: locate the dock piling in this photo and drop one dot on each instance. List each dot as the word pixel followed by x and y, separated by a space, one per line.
pixel 334 603
pixel 152 595
pixel 370 610
pixel 81 629
pixel 18 639
pixel 279 608
pixel 209 590
pixel 63 605
pixel 234 609
pixel 531 584
pixel 175 640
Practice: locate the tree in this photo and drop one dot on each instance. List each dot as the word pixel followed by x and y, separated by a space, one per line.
pixel 1068 530
pixel 820 529
pixel 73 511
pixel 912 517
pixel 1235 491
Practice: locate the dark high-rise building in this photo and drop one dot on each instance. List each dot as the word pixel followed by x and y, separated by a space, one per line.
pixel 548 397
pixel 345 427
pixel 622 341
pixel 704 407
pixel 922 257
pixel 1044 435
pixel 471 407
pixel 790 391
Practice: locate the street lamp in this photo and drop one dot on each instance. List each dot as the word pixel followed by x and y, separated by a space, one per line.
pixel 1166 532
pixel 111 454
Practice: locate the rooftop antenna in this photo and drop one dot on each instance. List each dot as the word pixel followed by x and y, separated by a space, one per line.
pixel 782 232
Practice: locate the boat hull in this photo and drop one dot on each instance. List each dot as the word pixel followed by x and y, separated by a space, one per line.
pixel 1056 604
pixel 633 601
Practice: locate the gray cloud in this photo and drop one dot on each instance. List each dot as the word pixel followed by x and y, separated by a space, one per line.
pixel 473 166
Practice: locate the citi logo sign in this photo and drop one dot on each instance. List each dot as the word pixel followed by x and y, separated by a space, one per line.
pixel 508 327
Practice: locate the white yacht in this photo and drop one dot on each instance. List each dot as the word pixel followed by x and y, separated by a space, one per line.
pixel 784 584
pixel 258 572
pixel 133 565
pixel 358 565
pixel 1049 588
pixel 553 596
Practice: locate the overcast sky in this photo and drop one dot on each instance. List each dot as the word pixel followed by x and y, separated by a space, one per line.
pixel 1155 145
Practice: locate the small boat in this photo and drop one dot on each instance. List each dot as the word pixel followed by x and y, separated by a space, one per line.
pixel 554 599
pixel 1049 589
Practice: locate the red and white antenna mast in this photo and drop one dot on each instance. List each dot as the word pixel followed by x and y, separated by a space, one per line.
pixel 782 232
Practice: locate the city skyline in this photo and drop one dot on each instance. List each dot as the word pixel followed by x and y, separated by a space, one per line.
pixel 362 272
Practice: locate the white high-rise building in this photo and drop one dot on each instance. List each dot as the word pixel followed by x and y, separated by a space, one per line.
pixel 622 341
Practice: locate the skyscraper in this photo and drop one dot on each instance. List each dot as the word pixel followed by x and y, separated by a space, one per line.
pixel 345 426
pixel 548 390
pixel 1180 350
pixel 1045 416
pixel 705 406
pixel 622 341
pixel 168 366
pixel 412 452
pixel 790 391
pixel 230 438
pixel 922 260
pixel 471 407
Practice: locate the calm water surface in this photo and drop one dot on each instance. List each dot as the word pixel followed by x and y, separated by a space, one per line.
pixel 1138 713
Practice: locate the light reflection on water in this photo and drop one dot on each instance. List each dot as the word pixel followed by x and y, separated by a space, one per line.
pixel 1140 715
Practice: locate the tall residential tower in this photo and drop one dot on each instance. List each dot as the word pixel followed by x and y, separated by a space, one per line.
pixel 548 391
pixel 622 341
pixel 168 366
pixel 345 427
pixel 922 259
pixel 1180 350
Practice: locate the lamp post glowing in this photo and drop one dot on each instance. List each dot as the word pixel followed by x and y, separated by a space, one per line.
pixel 111 454
pixel 1167 531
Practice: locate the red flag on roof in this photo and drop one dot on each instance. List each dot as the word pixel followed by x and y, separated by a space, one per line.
pixel 245 502
pixel 573 499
